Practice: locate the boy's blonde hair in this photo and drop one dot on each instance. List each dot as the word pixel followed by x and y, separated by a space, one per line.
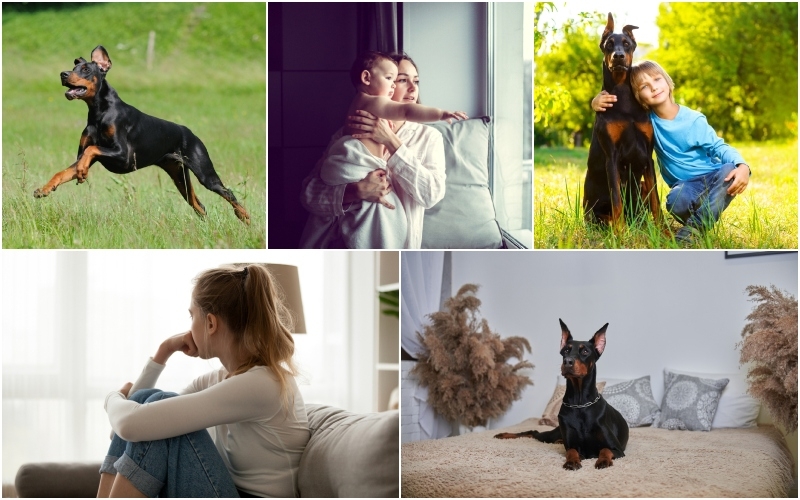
pixel 651 69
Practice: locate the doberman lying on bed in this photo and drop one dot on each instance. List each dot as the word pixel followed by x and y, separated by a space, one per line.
pixel 621 152
pixel 587 425
pixel 123 139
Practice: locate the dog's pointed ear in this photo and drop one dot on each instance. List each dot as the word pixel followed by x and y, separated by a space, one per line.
pixel 607 32
pixel 628 31
pixel 100 56
pixel 565 335
pixel 599 340
pixel 79 61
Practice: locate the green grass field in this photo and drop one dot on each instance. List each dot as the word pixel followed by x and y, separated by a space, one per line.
pixel 764 216
pixel 209 74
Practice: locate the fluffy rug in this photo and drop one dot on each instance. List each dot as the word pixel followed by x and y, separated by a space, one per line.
pixel 750 462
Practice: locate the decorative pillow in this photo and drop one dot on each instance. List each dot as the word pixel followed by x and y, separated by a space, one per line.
pixel 689 402
pixel 634 400
pixel 736 407
pixel 350 455
pixel 465 217
pixel 550 415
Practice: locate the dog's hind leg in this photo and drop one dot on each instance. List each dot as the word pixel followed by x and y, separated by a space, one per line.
pixel 198 161
pixel 183 181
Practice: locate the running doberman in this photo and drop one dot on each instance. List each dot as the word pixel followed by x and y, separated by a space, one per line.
pixel 621 176
pixel 587 425
pixel 123 139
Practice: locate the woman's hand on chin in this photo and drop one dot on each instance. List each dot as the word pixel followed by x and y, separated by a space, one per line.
pixel 182 342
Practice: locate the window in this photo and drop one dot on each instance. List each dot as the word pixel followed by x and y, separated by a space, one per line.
pixel 510 42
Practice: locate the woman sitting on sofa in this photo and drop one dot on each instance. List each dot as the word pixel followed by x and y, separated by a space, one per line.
pixel 415 166
pixel 160 445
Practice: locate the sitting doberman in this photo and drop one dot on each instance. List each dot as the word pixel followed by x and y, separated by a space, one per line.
pixel 620 161
pixel 587 425
pixel 123 139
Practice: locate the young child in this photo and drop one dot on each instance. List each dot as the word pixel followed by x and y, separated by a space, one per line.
pixel 350 160
pixel 160 445
pixel 703 172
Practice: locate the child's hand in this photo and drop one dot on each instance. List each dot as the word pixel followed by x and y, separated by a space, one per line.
pixel 603 101
pixel 374 187
pixel 741 178
pixel 456 115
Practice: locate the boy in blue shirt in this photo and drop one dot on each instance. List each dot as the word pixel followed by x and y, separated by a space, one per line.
pixel 703 172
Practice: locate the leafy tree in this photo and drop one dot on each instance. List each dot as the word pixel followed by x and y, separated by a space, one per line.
pixel 734 62
pixel 568 75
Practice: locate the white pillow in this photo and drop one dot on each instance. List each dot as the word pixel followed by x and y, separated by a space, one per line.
pixel 736 408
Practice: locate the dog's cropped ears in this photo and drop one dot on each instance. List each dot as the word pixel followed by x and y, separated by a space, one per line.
pixel 598 340
pixel 609 29
pixel 100 56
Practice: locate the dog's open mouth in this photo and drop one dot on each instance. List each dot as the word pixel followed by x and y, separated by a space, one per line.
pixel 74 92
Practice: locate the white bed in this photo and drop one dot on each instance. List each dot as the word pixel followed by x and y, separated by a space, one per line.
pixel 751 462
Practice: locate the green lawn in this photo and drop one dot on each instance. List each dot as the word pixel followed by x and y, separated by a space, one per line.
pixel 764 216
pixel 209 74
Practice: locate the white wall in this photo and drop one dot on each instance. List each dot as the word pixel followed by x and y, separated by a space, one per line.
pixel 448 43
pixel 683 310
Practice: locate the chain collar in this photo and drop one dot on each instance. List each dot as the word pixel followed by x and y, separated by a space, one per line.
pixel 583 405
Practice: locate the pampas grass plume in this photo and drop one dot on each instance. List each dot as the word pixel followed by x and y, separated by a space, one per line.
pixel 770 345
pixel 465 364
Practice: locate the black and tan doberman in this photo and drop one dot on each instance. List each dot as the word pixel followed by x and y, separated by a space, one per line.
pixel 123 139
pixel 621 177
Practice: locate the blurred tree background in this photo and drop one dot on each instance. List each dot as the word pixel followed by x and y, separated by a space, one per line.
pixel 734 62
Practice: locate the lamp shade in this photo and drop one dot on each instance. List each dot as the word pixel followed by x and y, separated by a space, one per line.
pixel 288 280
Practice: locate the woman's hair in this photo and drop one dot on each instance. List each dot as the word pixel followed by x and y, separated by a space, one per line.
pixel 651 69
pixel 365 62
pixel 402 56
pixel 246 298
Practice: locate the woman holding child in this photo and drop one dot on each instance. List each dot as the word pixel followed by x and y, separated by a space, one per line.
pixel 413 175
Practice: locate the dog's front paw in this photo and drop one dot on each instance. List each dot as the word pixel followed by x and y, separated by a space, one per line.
pixel 40 193
pixel 506 435
pixel 573 460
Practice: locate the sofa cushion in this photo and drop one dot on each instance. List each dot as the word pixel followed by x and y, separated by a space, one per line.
pixel 465 218
pixel 350 455
pixel 54 479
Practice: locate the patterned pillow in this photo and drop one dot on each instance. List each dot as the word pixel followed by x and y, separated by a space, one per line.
pixel 550 415
pixel 689 402
pixel 634 400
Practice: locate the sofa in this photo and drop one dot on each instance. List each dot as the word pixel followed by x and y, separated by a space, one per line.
pixel 348 455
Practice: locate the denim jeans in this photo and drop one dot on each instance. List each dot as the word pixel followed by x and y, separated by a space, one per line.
pixel 698 203
pixel 183 466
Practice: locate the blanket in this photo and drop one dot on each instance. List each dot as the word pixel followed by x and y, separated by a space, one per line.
pixel 372 225
pixel 752 462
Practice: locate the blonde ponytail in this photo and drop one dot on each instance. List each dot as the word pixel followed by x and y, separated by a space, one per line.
pixel 246 297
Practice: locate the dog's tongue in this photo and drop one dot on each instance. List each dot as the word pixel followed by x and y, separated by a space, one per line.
pixel 73 93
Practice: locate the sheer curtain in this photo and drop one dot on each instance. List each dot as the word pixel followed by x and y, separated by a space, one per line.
pixel 423 290
pixel 77 325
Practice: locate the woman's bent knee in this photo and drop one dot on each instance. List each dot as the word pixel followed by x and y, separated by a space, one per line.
pixel 149 395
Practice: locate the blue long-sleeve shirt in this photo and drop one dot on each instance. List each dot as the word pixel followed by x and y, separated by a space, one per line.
pixel 687 147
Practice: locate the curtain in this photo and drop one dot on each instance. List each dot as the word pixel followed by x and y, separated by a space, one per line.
pixel 377 27
pixel 422 293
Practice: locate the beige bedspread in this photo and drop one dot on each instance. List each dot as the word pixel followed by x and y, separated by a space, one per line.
pixel 658 463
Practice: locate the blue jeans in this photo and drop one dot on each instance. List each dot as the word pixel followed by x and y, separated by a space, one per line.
pixel 183 466
pixel 698 203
